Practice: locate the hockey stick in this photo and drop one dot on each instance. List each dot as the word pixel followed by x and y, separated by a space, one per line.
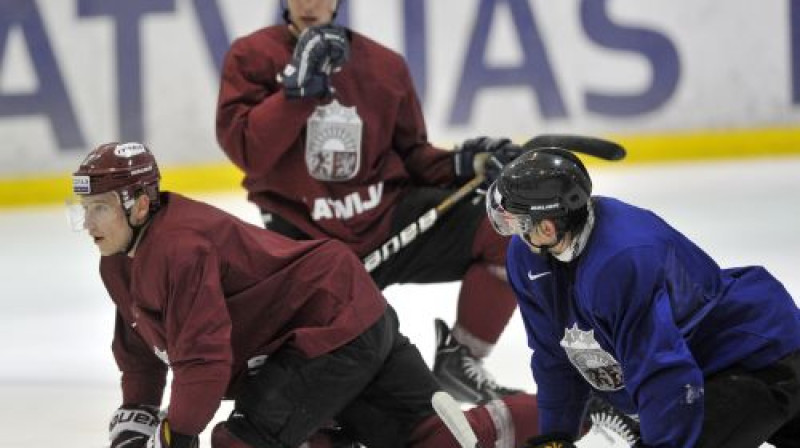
pixel 450 412
pixel 603 149
pixel 423 223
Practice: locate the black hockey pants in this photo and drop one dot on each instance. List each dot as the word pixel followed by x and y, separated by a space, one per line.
pixel 745 408
pixel 377 388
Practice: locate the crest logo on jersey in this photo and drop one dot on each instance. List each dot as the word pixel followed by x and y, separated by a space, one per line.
pixel 333 143
pixel 597 366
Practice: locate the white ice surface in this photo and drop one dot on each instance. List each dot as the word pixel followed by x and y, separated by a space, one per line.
pixel 58 382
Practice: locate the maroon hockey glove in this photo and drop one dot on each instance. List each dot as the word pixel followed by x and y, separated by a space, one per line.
pixel 320 50
pixel 131 426
pixel 166 438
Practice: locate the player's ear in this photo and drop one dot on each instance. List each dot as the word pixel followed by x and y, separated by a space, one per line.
pixel 547 228
pixel 140 209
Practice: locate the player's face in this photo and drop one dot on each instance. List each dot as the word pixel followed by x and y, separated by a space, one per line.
pixel 106 222
pixel 306 13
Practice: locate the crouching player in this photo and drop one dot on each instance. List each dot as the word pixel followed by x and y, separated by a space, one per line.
pixel 295 332
pixel 619 304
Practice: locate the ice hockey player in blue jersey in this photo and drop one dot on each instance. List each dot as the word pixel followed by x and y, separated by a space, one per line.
pixel 617 304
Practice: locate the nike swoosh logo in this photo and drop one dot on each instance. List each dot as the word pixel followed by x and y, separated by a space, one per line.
pixel 532 276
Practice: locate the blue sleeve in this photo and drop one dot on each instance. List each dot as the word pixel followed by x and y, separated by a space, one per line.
pixel 632 306
pixel 561 391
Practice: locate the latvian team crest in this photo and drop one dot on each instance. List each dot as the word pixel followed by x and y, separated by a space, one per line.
pixel 596 365
pixel 333 143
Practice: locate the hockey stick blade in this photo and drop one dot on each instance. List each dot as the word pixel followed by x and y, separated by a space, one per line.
pixel 596 147
pixel 450 412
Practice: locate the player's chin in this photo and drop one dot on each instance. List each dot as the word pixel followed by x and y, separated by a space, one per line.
pixel 105 247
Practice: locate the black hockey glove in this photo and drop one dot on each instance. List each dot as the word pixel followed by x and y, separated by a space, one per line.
pixel 132 426
pixel 320 50
pixel 484 156
pixel 610 427
pixel 554 440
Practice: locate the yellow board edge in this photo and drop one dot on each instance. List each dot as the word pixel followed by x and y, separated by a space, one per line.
pixel 642 148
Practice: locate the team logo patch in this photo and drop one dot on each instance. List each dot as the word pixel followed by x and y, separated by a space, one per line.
pixel 596 365
pixel 333 143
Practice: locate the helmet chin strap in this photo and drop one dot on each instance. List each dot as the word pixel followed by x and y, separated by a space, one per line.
pixel 542 248
pixel 136 230
pixel 578 242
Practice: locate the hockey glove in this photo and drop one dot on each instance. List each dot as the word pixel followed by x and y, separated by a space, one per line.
pixel 320 50
pixel 338 48
pixel 554 440
pixel 610 428
pixel 132 426
pixel 484 156
pixel 166 438
pixel 499 158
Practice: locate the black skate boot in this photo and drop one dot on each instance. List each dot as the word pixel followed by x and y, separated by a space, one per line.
pixel 462 375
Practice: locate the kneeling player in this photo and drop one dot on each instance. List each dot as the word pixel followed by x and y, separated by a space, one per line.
pixel 295 332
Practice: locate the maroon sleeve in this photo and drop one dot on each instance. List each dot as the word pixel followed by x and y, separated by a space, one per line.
pixel 425 163
pixel 255 122
pixel 144 375
pixel 198 332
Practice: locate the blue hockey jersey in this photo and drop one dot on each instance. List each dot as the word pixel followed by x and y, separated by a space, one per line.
pixel 642 315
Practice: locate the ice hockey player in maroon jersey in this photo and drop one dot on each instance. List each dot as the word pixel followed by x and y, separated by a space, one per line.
pixel 327 128
pixel 295 332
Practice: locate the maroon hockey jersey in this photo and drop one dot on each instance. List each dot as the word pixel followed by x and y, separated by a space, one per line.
pixel 205 292
pixel 264 134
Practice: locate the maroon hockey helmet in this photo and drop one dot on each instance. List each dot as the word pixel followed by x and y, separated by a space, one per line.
pixel 127 168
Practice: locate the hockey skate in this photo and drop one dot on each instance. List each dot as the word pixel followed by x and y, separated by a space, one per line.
pixel 461 374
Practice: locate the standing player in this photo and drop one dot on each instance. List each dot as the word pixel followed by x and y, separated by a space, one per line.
pixel 295 332
pixel 327 128
pixel 619 304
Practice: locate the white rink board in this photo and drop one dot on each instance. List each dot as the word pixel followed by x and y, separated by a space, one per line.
pixel 74 73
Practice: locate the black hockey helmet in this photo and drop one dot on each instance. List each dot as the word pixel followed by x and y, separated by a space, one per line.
pixel 543 183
